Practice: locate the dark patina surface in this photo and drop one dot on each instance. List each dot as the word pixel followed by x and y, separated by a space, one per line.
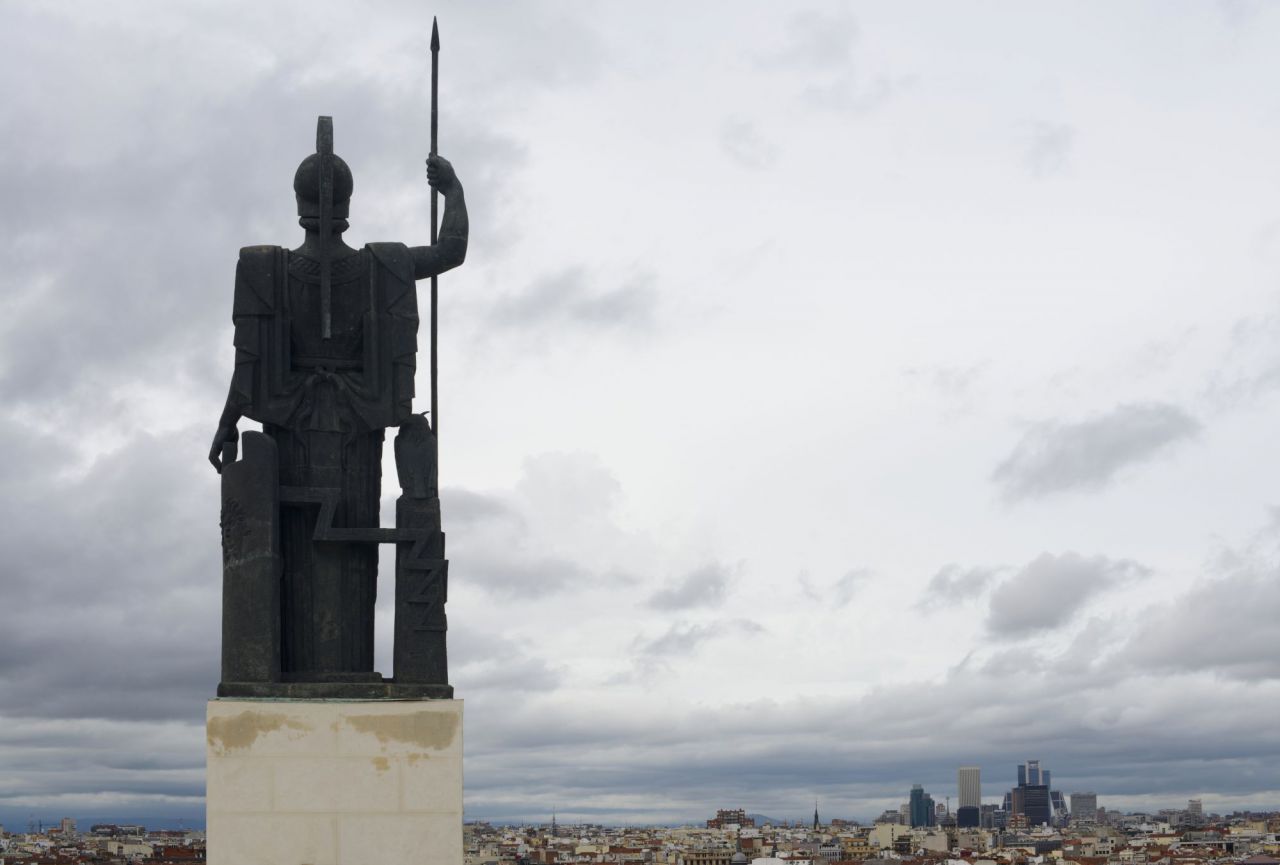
pixel 326 344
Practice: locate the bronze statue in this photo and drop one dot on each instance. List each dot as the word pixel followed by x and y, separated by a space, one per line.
pixel 326 342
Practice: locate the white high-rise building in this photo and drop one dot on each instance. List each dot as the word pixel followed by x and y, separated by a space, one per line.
pixel 969 780
pixel 1084 808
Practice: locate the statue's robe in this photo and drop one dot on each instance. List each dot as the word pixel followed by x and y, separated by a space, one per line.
pixel 326 402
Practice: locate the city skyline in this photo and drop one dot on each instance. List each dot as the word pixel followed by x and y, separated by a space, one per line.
pixel 32 823
pixel 834 395
pixel 733 838
pixel 568 814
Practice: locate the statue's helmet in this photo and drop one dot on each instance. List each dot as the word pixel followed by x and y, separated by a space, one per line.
pixel 309 179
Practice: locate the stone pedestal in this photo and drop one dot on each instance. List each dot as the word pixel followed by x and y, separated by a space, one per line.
pixel 295 782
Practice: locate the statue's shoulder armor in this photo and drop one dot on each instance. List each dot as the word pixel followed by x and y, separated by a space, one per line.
pixel 260 355
pixel 395 257
pixel 256 280
pixel 260 249
pixel 399 296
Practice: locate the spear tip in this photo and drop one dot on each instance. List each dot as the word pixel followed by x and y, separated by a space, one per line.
pixel 435 35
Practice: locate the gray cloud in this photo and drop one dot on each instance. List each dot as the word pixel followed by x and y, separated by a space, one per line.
pixel 470 508
pixel 1049 149
pixel 816 40
pixel 1056 456
pixel 847 93
pixel 704 587
pixel 512 540
pixel 1238 14
pixel 740 139
pixel 1250 368
pixel 492 533
pixel 1050 590
pixel 487 661
pixel 82 553
pixel 838 593
pixel 954 584
pixel 1071 717
pixel 819 47
pixel 950 381
pixel 568 299
pixel 1226 626
pixel 1223 625
pixel 683 639
pixel 96 768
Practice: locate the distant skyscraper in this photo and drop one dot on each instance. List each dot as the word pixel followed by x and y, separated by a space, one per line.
pixel 1035 804
pixel 1084 807
pixel 1032 798
pixel 1196 807
pixel 969 780
pixel 921 807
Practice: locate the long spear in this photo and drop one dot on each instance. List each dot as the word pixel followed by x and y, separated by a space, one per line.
pixel 435 77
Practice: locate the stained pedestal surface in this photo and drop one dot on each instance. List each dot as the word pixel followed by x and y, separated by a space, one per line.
pixel 294 782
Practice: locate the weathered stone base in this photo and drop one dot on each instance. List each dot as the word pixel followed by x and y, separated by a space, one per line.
pixel 334 783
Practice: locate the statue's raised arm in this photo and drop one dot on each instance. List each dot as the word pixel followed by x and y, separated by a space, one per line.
pixel 450 250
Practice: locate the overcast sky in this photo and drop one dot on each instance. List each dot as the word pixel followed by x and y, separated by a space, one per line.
pixel 835 394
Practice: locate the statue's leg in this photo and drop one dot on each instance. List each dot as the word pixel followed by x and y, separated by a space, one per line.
pixel 297 525
pixel 330 587
pixel 329 565
pixel 361 503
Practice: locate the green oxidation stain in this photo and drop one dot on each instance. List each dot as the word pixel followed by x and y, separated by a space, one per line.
pixel 238 732
pixel 434 730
